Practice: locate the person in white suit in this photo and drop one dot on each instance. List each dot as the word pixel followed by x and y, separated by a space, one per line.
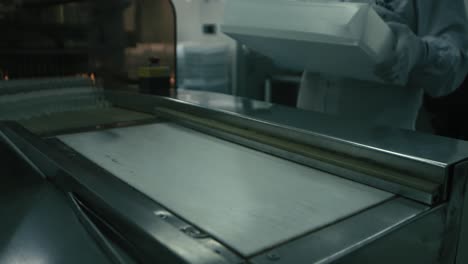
pixel 430 53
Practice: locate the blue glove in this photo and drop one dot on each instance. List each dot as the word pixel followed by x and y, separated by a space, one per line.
pixel 409 52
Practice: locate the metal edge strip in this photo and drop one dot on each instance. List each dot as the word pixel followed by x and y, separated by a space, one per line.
pixel 420 167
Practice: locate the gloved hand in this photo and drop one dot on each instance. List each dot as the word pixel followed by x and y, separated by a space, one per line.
pixel 409 52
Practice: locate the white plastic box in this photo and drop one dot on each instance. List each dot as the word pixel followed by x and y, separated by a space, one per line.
pixel 340 39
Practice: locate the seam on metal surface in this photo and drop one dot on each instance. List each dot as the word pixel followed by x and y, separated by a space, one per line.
pixel 94 231
pixel 279 245
pixel 18 151
pixel 455 214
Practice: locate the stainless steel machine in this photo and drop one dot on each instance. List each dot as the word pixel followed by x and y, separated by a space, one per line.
pixel 211 178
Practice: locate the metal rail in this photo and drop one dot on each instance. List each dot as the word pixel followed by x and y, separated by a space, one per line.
pixel 417 178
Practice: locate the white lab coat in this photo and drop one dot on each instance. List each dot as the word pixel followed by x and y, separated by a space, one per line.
pixel 443 26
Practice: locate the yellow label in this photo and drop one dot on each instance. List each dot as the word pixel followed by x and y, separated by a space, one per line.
pixel 153 72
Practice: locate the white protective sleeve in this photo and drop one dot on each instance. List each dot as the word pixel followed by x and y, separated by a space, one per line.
pixel 443 26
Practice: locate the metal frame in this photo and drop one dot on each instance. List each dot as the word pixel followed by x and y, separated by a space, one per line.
pixel 157 234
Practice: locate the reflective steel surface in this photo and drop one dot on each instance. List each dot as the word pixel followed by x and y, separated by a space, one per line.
pixel 247 199
pixel 398 141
